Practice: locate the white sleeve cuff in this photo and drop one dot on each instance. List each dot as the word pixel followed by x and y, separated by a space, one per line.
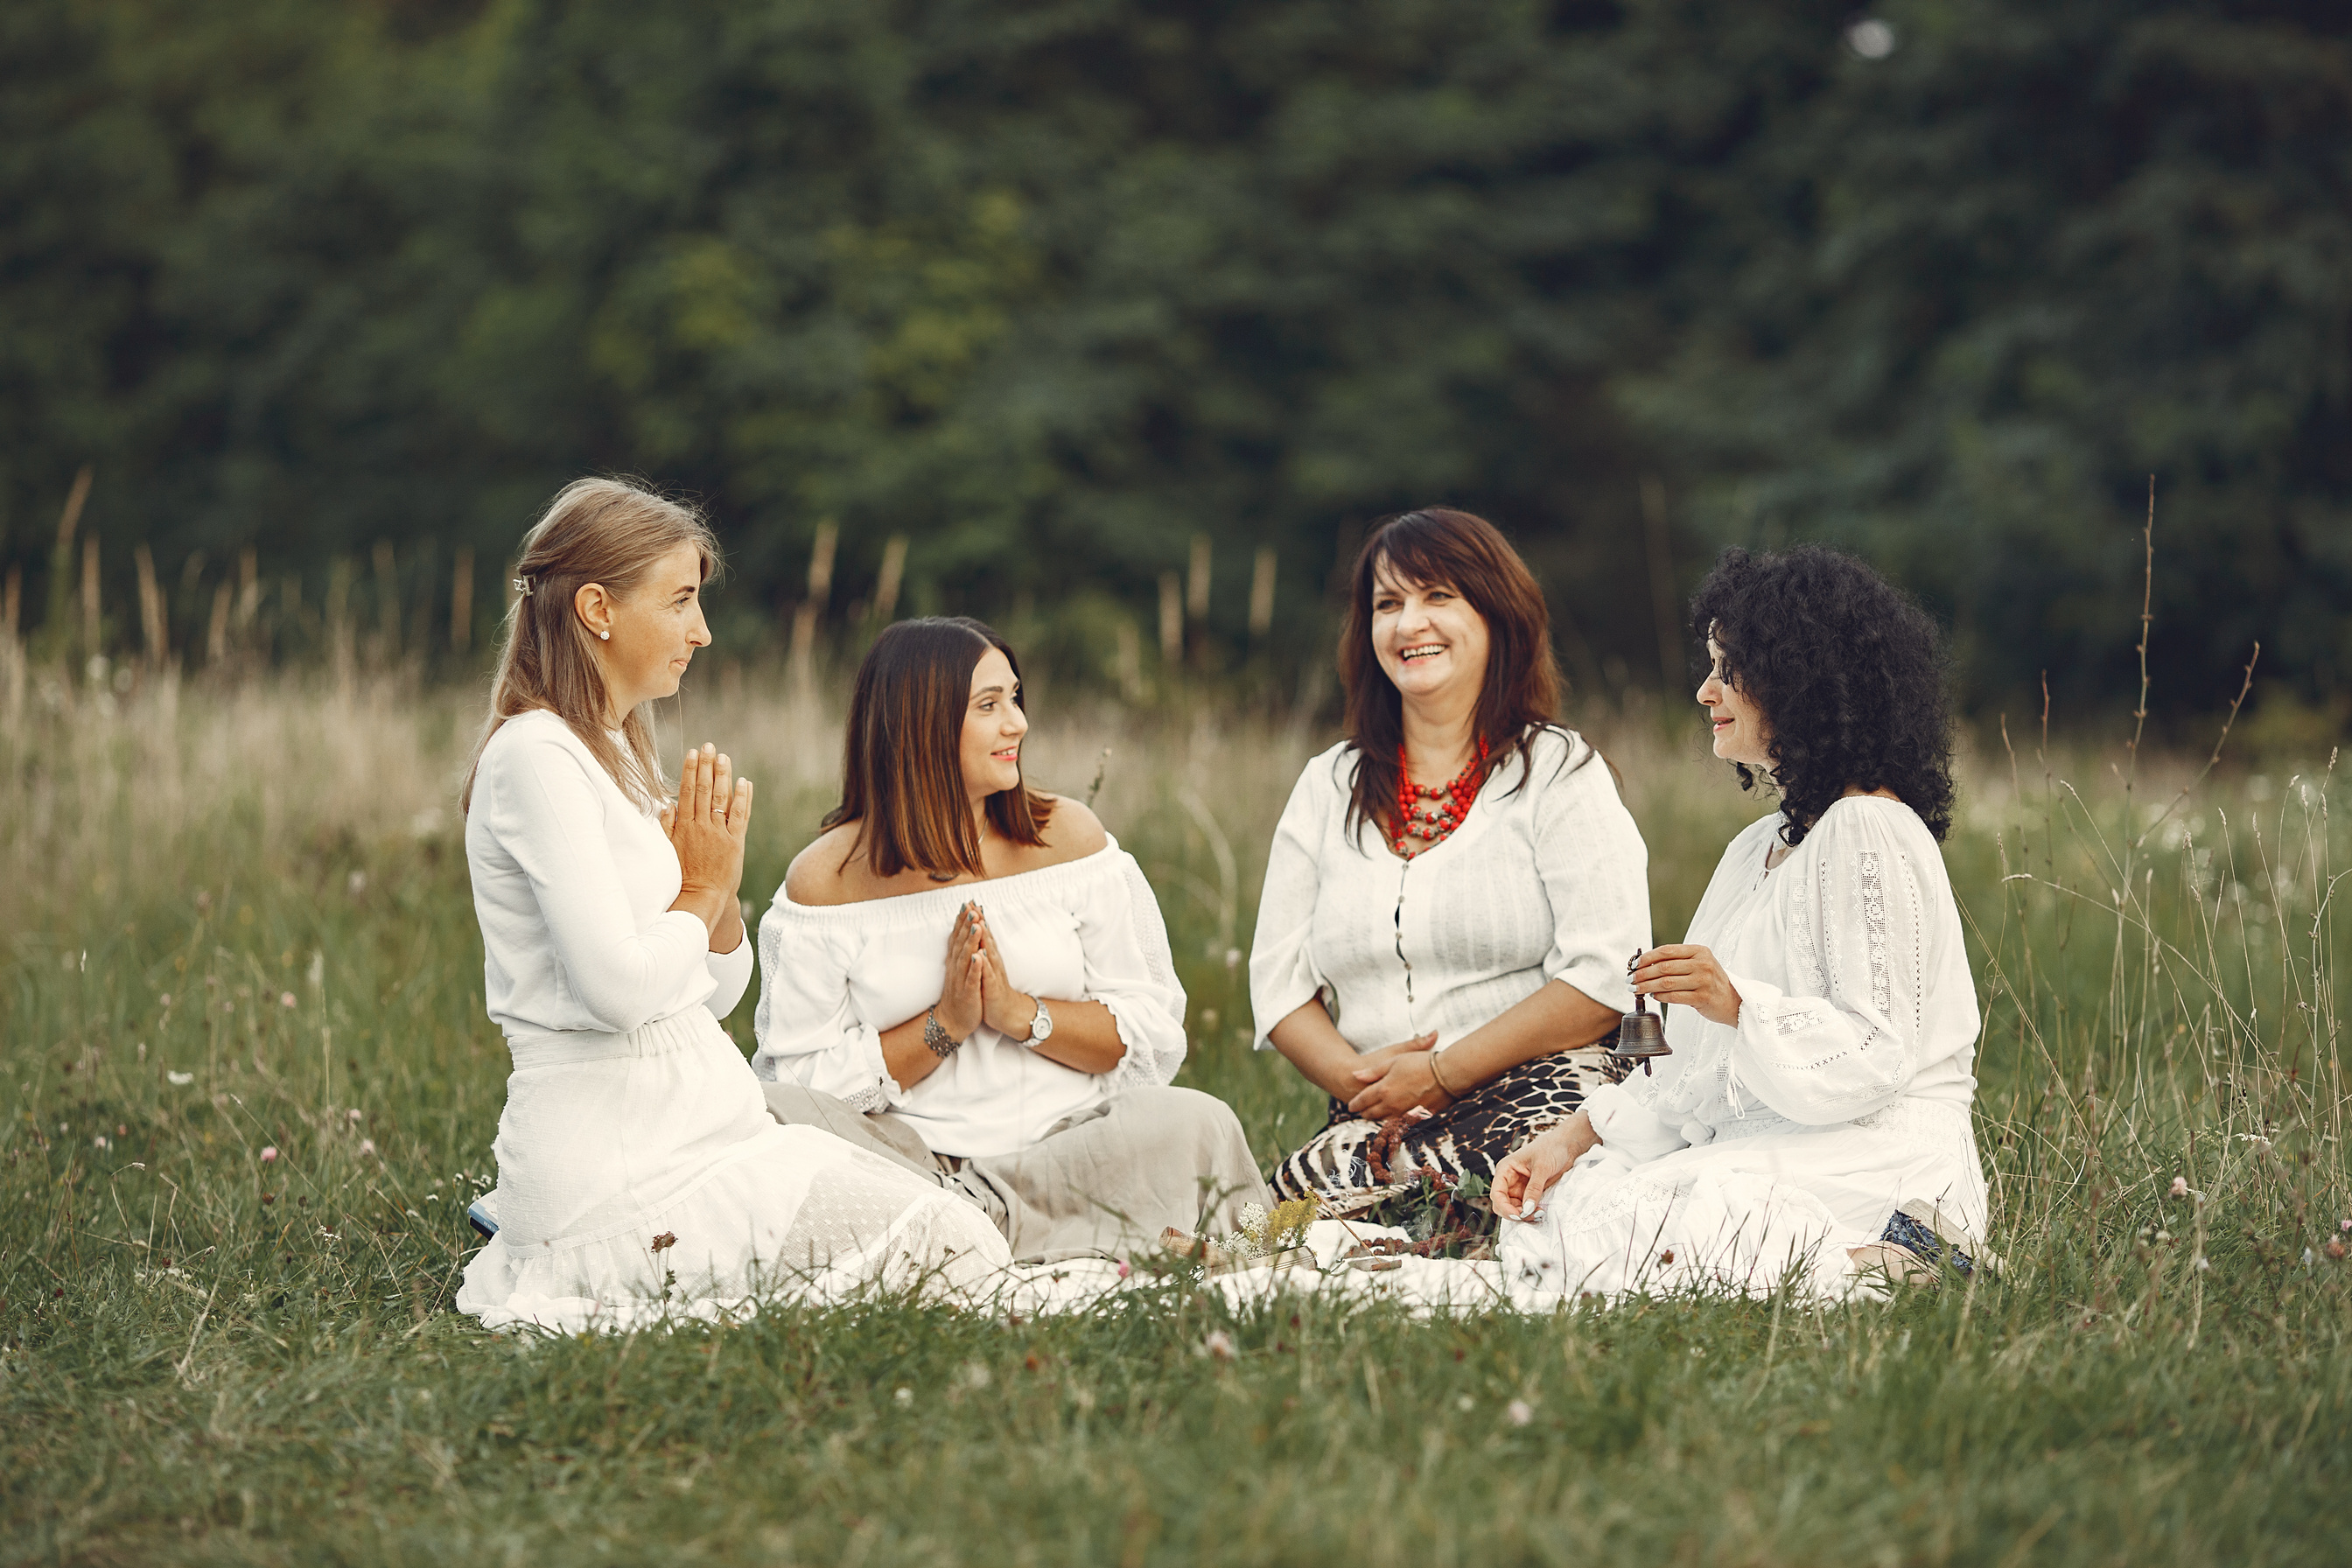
pixel 1625 1124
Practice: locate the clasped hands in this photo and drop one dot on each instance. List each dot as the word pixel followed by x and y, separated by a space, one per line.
pixel 1397 1079
pixel 976 990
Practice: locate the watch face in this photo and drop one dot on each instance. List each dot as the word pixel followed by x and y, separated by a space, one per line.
pixel 1043 1025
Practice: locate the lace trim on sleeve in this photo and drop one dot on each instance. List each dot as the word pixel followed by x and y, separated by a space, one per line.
pixel 1145 1065
pixel 1873 916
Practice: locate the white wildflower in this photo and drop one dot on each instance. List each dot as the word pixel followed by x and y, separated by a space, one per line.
pixel 1519 1412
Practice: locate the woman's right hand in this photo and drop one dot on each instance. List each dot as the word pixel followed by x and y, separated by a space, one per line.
pixel 962 997
pixel 708 826
pixel 1385 1056
pixel 1527 1172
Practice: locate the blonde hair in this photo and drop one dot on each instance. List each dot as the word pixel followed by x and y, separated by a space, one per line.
pixel 609 532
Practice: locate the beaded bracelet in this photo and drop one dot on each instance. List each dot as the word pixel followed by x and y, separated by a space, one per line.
pixel 935 1034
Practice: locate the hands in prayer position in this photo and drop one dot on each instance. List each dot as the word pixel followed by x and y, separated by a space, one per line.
pixel 1008 1010
pixel 963 1001
pixel 977 990
pixel 707 825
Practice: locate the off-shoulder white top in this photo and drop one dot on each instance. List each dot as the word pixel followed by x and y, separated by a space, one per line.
pixel 574 883
pixel 1545 879
pixel 1853 982
pixel 832 977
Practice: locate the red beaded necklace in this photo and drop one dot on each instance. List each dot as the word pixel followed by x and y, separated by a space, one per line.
pixel 1434 810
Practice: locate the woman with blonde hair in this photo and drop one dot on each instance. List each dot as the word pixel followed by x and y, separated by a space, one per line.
pixel 639 1172
pixel 1453 890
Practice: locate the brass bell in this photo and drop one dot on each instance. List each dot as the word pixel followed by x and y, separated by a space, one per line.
pixel 1642 1035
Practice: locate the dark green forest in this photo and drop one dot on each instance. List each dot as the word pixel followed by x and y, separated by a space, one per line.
pixel 322 294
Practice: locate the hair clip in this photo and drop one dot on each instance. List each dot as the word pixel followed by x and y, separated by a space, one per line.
pixel 521 587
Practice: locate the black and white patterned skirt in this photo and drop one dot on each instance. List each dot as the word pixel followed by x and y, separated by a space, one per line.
pixel 1353 1164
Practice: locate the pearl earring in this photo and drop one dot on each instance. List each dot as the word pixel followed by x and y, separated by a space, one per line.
pixel 606 635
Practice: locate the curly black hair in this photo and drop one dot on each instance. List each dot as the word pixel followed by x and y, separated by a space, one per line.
pixel 1849 674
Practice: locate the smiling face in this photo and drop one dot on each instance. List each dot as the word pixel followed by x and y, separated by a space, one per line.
pixel 1428 639
pixel 1740 733
pixel 993 727
pixel 656 628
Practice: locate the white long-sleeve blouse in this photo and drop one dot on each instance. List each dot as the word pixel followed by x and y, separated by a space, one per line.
pixel 832 977
pixel 1545 879
pixel 574 883
pixel 1854 984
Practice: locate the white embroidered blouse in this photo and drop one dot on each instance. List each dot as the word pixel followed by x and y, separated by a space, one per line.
pixel 574 883
pixel 1854 990
pixel 832 977
pixel 1545 879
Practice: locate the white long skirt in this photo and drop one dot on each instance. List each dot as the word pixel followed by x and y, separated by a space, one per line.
pixel 641 1178
pixel 1745 1215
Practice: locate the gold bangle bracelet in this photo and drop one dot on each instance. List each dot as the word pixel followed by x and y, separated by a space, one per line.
pixel 1440 1077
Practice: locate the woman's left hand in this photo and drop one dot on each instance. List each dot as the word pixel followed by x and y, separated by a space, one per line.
pixel 1002 1008
pixel 1688 976
pixel 1395 1087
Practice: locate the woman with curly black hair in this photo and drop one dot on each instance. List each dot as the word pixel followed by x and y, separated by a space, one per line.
pixel 1814 1117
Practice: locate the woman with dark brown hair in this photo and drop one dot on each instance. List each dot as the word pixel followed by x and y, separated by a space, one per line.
pixel 1454 890
pixel 972 976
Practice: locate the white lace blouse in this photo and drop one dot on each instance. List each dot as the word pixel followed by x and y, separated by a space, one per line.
pixel 832 977
pixel 1545 879
pixel 574 883
pixel 1854 990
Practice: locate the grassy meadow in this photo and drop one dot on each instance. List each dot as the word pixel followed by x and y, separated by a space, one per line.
pixel 251 1087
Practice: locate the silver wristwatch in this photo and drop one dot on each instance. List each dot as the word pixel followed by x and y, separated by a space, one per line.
pixel 1040 1028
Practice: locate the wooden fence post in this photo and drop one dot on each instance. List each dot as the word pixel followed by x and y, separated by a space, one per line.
pixel 11 649
pixel 216 634
pixel 885 587
pixel 461 601
pixel 153 626
pixel 1171 621
pixel 1261 608
pixel 91 645
pixel 804 620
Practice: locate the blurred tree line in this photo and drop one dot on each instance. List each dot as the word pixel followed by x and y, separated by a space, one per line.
pixel 1086 298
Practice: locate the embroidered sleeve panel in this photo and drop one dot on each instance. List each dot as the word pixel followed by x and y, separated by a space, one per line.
pixel 1848 1048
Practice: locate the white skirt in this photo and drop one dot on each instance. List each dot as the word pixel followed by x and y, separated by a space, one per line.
pixel 641 1178
pixel 1743 1215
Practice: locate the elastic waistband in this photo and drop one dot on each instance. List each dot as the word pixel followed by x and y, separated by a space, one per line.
pixel 563 1048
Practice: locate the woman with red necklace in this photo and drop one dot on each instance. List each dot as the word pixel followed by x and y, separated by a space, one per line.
pixel 1453 890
